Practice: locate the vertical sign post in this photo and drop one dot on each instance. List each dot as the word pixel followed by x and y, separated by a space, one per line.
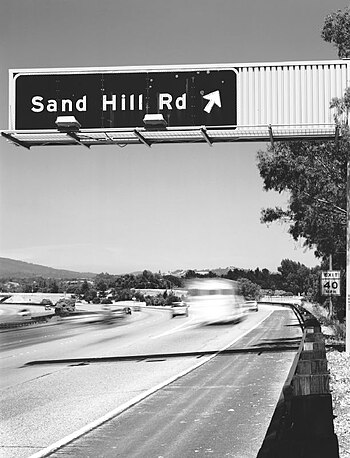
pixel 347 294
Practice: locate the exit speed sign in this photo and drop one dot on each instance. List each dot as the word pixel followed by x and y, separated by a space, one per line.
pixel 330 283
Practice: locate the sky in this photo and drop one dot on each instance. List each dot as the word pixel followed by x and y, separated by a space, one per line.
pixel 168 207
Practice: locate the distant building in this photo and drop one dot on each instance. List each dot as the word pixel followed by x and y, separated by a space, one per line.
pixel 35 298
pixel 12 285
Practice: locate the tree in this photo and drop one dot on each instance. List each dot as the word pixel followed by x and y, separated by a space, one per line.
pixel 295 276
pixel 336 30
pixel 248 289
pixel 84 288
pixel 64 307
pixel 90 295
pixel 190 274
pixel 171 298
pixel 52 286
pixel 101 285
pixel 172 281
pixel 314 175
pixel 210 274
pixel 123 294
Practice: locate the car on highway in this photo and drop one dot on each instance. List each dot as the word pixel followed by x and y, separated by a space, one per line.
pixel 252 305
pixel 17 313
pixel 109 313
pixel 179 309
pixel 25 313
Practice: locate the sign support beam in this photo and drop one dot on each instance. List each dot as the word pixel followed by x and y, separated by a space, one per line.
pixel 77 139
pixel 271 136
pixel 142 138
pixel 206 136
pixel 14 140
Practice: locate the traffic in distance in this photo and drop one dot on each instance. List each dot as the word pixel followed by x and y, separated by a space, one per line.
pixel 25 314
pixel 207 301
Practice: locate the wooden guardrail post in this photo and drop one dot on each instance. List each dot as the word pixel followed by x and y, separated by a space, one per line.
pixel 305 420
pixel 311 404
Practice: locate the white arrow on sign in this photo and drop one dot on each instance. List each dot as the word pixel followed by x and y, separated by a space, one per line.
pixel 214 99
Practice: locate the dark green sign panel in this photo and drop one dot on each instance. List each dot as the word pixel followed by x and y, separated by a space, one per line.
pixel 121 100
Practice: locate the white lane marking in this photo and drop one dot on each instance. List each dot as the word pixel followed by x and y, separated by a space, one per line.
pixel 187 325
pixel 179 328
pixel 90 426
pixel 245 333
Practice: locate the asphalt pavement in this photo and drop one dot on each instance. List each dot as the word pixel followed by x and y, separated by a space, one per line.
pixel 222 408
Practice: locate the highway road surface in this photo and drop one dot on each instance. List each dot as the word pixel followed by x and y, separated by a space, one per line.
pixel 160 387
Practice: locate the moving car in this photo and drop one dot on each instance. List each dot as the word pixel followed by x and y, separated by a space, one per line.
pixel 252 305
pixel 17 313
pixel 111 313
pixel 179 309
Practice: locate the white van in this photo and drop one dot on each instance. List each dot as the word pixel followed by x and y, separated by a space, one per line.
pixel 214 300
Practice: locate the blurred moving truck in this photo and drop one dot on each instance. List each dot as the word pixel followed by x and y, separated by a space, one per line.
pixel 214 300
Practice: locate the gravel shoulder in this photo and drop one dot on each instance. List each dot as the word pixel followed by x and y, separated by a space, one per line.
pixel 339 367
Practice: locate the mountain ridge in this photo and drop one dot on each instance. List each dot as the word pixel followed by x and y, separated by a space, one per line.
pixel 21 269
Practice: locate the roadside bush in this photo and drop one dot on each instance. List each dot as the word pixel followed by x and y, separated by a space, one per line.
pixel 106 300
pixel 159 300
pixel 336 327
pixel 172 298
pixel 155 300
pixel 64 307
pixel 46 302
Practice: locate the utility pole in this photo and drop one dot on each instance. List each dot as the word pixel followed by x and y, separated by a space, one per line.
pixel 330 297
pixel 347 294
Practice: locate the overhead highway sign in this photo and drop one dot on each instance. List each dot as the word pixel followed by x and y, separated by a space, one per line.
pixel 121 99
pixel 183 104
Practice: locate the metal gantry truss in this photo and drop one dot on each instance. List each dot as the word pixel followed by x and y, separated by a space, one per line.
pixel 167 135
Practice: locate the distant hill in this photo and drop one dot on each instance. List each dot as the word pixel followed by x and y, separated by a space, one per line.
pixel 218 271
pixel 20 269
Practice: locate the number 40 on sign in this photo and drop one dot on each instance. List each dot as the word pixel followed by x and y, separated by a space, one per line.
pixel 330 283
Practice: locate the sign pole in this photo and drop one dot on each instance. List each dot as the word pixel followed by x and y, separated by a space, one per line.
pixel 330 297
pixel 347 294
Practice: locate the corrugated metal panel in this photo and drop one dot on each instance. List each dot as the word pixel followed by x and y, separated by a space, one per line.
pixel 289 94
